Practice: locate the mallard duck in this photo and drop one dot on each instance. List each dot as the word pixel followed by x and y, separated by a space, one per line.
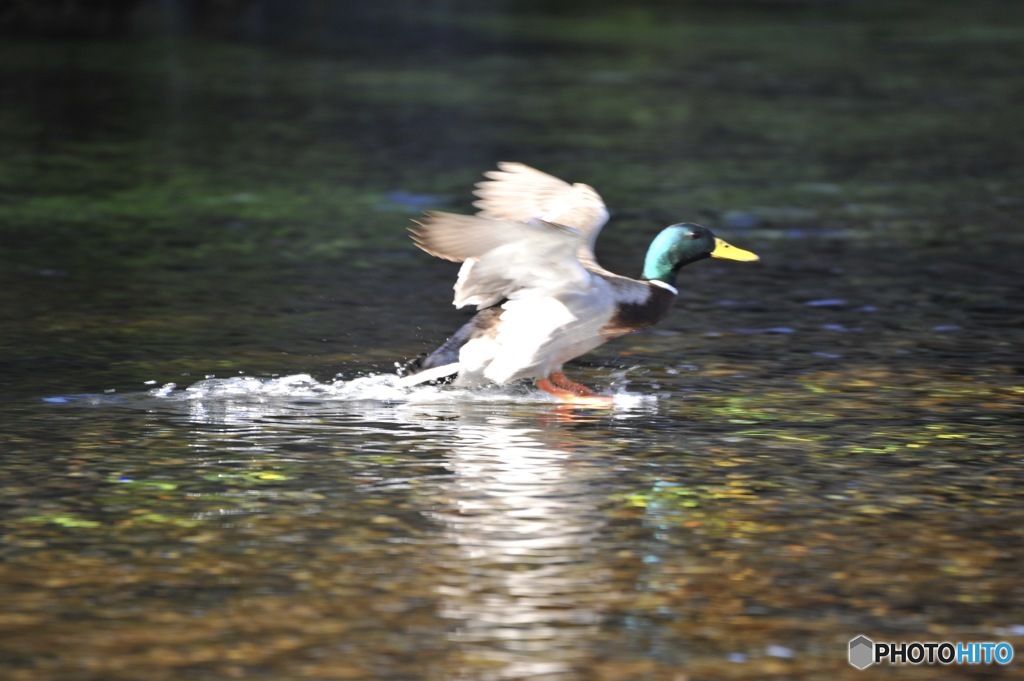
pixel 528 266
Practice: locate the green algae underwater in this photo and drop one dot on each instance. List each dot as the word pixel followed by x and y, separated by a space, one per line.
pixel 824 444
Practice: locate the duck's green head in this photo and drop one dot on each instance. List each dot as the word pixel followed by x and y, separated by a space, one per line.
pixel 682 244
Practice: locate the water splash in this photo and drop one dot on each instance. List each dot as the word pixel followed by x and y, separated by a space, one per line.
pixel 372 387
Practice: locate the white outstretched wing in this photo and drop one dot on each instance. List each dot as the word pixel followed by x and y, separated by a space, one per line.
pixel 505 259
pixel 520 193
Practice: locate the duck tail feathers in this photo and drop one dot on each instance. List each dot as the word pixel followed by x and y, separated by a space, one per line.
pixel 444 361
pixel 428 375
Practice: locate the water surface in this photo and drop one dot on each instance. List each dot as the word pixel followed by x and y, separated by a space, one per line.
pixel 209 473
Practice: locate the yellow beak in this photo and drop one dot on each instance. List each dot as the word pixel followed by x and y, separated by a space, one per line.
pixel 729 252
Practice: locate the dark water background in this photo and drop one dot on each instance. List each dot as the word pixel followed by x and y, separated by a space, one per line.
pixel 823 444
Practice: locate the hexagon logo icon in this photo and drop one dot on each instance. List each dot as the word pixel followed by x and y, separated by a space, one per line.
pixel 862 652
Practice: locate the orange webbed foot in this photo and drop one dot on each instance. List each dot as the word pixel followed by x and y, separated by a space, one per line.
pixel 559 385
pixel 566 383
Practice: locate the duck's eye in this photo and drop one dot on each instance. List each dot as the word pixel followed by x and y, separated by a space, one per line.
pixel 691 235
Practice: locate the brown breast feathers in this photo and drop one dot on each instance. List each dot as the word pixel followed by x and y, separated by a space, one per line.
pixel 631 317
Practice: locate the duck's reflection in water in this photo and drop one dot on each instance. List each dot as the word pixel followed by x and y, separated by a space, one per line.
pixel 521 578
pixel 517 544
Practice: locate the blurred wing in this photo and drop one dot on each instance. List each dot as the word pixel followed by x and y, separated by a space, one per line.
pixel 520 193
pixel 504 259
